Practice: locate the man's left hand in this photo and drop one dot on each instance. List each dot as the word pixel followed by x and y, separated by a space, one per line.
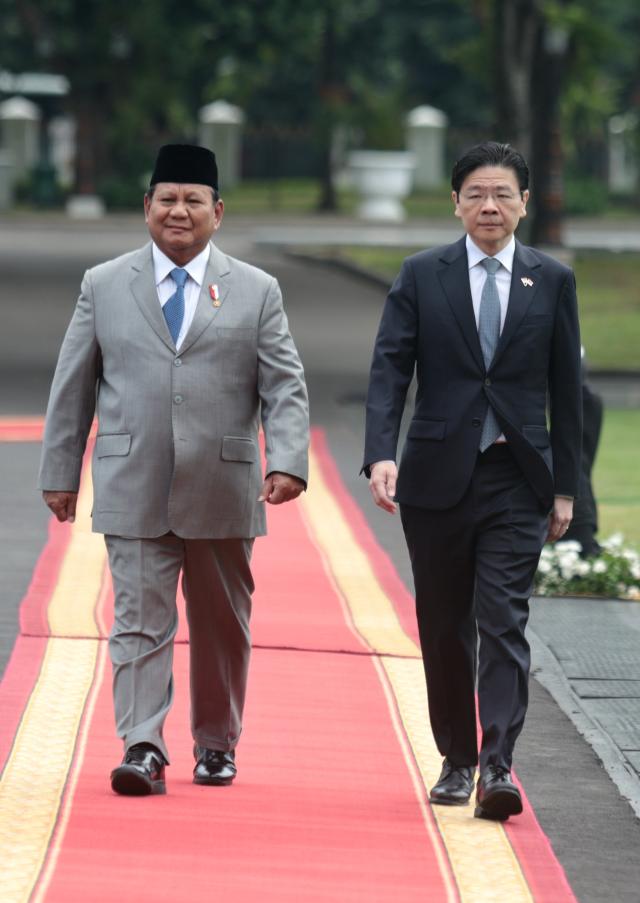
pixel 280 487
pixel 560 518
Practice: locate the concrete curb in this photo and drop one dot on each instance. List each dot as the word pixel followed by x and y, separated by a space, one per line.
pixel 547 670
pixel 342 265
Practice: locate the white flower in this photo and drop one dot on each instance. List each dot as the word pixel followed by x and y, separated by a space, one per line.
pixel 614 542
pixel 560 568
pixel 567 571
pixel 569 545
pixel 568 561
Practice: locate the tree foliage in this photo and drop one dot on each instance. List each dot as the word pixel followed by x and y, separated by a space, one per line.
pixel 140 71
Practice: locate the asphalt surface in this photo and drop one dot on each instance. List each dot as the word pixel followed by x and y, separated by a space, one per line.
pixel 578 756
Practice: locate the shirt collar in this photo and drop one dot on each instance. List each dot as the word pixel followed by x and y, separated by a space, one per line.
pixel 505 256
pixel 196 268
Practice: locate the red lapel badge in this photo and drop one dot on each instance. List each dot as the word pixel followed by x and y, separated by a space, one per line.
pixel 215 295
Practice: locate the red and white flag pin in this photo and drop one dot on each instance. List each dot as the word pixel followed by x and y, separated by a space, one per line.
pixel 215 295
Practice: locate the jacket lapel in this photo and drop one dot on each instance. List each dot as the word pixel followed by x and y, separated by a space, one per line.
pixel 526 270
pixel 217 274
pixel 454 278
pixel 143 288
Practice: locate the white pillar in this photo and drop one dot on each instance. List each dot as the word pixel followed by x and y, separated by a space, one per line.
pixel 623 166
pixel 6 179
pixel 62 141
pixel 426 132
pixel 20 133
pixel 220 130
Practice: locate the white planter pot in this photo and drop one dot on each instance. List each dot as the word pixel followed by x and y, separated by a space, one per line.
pixel 383 179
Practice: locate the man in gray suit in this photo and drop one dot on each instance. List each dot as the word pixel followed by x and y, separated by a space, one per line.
pixel 183 352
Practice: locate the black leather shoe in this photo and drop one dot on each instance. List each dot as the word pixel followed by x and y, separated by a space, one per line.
pixel 497 797
pixel 141 772
pixel 454 786
pixel 213 766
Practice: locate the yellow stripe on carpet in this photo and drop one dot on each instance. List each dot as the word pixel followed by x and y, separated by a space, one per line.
pixel 71 611
pixel 33 782
pixel 482 860
pixel 31 787
pixel 72 780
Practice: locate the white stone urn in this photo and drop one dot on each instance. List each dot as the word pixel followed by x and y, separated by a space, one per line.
pixel 383 179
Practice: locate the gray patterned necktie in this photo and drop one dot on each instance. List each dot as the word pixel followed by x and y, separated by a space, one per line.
pixel 489 334
pixel 173 310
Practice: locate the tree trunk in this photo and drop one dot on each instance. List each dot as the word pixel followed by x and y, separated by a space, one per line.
pixel 86 141
pixel 530 65
pixel 517 25
pixel 325 121
pixel 546 159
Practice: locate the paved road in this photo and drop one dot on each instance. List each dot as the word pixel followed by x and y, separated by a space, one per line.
pixel 593 829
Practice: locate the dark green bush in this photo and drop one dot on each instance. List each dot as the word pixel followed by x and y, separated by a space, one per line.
pixel 586 196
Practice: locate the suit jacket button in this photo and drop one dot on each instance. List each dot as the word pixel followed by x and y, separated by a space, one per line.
pixel 177 399
pixel 487 381
pixel 476 421
pixel 177 362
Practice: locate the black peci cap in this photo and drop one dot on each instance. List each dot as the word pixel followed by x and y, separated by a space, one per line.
pixel 185 163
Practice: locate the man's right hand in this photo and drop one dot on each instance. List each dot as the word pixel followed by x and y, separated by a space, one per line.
pixel 383 485
pixel 63 504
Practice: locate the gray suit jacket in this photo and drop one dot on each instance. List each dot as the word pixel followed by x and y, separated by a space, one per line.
pixel 177 446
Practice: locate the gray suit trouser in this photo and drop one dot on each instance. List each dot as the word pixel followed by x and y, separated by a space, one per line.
pixel 217 586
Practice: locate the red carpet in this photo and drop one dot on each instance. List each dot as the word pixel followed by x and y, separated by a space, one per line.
pixel 544 875
pixel 326 806
pixel 301 823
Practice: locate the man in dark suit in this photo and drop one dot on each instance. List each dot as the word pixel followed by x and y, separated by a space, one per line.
pixel 490 327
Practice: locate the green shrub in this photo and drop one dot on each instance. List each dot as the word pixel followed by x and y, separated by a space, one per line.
pixel 614 573
pixel 585 196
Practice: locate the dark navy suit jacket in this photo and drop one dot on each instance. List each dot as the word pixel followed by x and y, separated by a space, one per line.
pixel 428 325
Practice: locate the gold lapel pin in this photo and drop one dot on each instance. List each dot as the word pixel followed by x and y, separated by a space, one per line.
pixel 215 295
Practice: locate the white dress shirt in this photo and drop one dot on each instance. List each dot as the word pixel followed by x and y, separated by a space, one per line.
pixel 166 287
pixel 477 278
pixel 478 275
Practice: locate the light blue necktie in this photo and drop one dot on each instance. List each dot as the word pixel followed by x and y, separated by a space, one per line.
pixel 173 310
pixel 489 334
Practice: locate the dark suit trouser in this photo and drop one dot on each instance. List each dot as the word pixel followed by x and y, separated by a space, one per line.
pixel 217 586
pixel 584 524
pixel 473 568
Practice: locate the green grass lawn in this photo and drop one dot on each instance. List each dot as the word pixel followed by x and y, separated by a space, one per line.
pixel 302 195
pixel 291 195
pixel 608 295
pixel 609 298
pixel 273 196
pixel 616 476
